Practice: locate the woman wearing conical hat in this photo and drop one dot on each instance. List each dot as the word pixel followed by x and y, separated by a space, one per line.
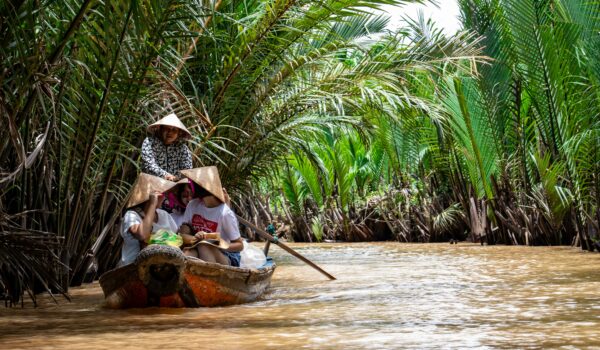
pixel 143 218
pixel 164 152
pixel 208 214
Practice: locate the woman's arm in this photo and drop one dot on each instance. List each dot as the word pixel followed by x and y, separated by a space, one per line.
pixel 149 164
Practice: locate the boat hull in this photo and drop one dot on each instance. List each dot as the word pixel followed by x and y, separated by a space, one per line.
pixel 170 280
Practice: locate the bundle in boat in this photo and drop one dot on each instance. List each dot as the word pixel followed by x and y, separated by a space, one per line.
pixel 162 276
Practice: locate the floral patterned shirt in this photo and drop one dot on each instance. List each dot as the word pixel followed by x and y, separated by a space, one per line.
pixel 159 159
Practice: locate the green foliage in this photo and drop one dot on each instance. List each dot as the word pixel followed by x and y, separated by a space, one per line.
pixel 461 122
pixel 468 124
pixel 553 198
pixel 315 94
pixel 74 96
pixel 251 80
pixel 448 219
pixel 294 190
pixel 317 229
pixel 541 90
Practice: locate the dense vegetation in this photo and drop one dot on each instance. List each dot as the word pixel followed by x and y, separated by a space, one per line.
pixel 507 154
pixel 317 116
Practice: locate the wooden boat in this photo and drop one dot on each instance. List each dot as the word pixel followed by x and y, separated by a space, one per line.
pixel 162 276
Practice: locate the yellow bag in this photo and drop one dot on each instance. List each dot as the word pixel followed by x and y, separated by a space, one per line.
pixel 166 237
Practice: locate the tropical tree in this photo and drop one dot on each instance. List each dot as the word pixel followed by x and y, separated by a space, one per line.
pixel 507 145
pixel 399 135
pixel 539 93
pixel 82 80
pixel 75 99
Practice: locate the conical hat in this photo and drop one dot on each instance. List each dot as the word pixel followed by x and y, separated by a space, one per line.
pixel 208 178
pixel 213 239
pixel 170 120
pixel 145 185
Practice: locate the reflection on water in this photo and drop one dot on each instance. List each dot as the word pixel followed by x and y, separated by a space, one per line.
pixel 387 296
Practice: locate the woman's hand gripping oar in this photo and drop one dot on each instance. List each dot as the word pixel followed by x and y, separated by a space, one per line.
pixel 271 239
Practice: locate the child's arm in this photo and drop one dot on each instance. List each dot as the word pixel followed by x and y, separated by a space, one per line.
pixel 143 230
pixel 236 245
pixel 187 234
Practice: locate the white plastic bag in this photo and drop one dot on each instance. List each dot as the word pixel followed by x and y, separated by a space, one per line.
pixel 252 257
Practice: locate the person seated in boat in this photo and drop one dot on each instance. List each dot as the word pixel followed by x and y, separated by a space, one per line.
pixel 209 213
pixel 144 216
pixel 164 152
pixel 176 201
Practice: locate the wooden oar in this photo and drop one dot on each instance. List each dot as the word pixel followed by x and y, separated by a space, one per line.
pixel 270 238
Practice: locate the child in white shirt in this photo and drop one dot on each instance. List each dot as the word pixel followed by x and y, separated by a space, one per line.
pixel 144 216
pixel 207 214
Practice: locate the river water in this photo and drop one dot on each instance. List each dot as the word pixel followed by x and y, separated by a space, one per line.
pixel 387 296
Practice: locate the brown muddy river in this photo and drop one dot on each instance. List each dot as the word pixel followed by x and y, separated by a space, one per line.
pixel 387 296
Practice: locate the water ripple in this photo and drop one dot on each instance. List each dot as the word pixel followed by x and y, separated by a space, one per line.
pixel 386 296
